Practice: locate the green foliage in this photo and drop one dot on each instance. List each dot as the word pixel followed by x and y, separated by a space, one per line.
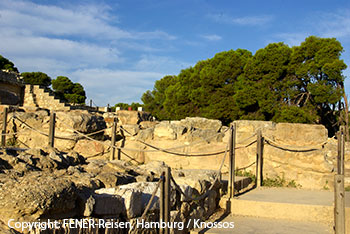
pixel 12 142
pixel 6 64
pixel 62 84
pixel 69 91
pixel 280 182
pixel 347 188
pixel 325 187
pixel 36 78
pixel 245 174
pixel 301 84
pixel 274 182
pixel 125 106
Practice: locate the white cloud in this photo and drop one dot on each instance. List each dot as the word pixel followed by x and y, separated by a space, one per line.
pixel 243 21
pixel 335 24
pixel 162 64
pixel 212 37
pixel 291 39
pixel 80 42
pixel 92 21
pixel 114 86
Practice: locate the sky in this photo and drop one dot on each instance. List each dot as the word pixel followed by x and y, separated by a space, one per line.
pixel 118 49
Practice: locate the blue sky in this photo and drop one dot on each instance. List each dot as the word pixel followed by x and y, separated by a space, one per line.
pixel 118 49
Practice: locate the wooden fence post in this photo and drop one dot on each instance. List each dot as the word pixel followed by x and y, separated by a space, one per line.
pixel 339 190
pixel 232 155
pixel 52 129
pixel 114 129
pixel 341 151
pixel 162 202
pixel 4 127
pixel 259 145
pixel 167 205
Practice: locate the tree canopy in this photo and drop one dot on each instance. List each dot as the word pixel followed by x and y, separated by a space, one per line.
pixel 7 64
pixel 69 91
pixel 125 106
pixel 301 84
pixel 36 78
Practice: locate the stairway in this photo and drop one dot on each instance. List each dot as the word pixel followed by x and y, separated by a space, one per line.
pixel 36 96
pixel 271 210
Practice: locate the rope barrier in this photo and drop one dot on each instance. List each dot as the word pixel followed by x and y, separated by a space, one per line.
pixel 177 147
pixel 291 148
pixel 143 216
pixel 246 146
pixel 204 195
pixel 247 138
pixel 42 133
pixel 57 137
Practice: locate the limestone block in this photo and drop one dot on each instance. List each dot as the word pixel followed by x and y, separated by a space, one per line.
pixel 301 134
pixel 152 167
pixel 81 121
pixel 247 128
pixel 148 124
pixel 164 130
pixel 145 134
pixel 111 180
pixel 131 199
pixel 202 123
pixel 196 178
pixel 133 129
pixel 88 148
pixel 107 204
pixel 146 189
pixel 37 195
pixel 204 135
pixel 132 117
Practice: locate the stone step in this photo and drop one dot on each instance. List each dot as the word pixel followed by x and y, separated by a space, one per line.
pixel 291 204
pixel 241 182
pixel 271 210
pixel 244 225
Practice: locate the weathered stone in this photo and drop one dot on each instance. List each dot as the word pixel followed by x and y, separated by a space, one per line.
pixel 152 167
pixel 89 148
pixel 107 204
pixel 205 135
pixel 201 123
pixel 147 188
pixel 145 134
pixel 132 200
pixel 131 129
pixel 312 134
pixel 35 196
pixel 148 124
pixel 165 130
pixel 81 121
pixel 111 180
pixel 210 203
pixel 132 117
pixel 197 179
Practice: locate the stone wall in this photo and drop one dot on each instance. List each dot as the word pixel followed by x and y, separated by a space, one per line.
pixel 11 88
pixel 304 154
pixel 294 160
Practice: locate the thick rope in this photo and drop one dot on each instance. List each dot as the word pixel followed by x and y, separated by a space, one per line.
pixel 177 147
pixel 247 145
pixel 143 216
pixel 291 148
pixel 40 132
pixel 204 195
